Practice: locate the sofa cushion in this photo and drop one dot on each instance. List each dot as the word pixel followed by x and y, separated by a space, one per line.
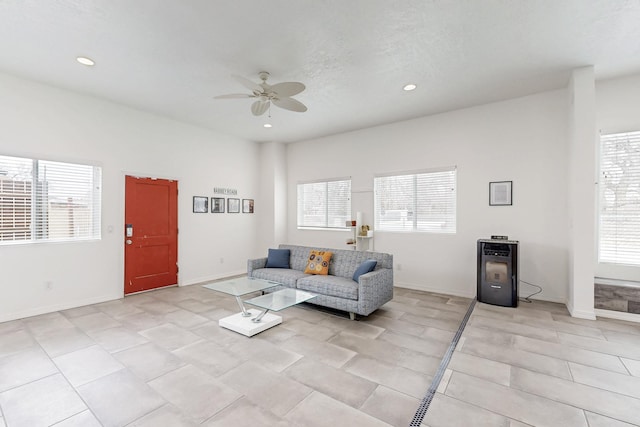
pixel 278 258
pixel 330 285
pixel 367 266
pixel 318 262
pixel 282 276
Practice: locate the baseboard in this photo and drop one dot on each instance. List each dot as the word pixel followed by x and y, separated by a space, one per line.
pixel 581 314
pixel 618 315
pixel 445 291
pixel 202 280
pixel 56 307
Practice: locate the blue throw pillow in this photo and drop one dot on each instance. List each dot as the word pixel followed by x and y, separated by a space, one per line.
pixel 278 258
pixel 366 266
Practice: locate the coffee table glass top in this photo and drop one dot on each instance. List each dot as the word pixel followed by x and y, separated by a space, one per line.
pixel 281 299
pixel 240 286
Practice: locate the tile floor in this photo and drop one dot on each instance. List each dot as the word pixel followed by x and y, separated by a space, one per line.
pixel 160 359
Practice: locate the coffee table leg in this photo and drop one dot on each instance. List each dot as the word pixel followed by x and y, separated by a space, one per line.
pixel 245 313
pixel 259 317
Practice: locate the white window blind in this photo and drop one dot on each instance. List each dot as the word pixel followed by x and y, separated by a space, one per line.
pixel 43 200
pixel 324 204
pixel 424 201
pixel 619 210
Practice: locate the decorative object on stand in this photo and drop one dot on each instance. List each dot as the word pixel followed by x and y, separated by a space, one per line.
pixel 217 205
pixel 233 205
pixel 500 193
pixel 247 205
pixel 200 204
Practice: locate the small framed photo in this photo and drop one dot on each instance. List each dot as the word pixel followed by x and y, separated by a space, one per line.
pixel 247 205
pixel 233 205
pixel 500 193
pixel 200 204
pixel 217 205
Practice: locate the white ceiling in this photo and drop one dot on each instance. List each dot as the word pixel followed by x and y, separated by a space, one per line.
pixel 172 57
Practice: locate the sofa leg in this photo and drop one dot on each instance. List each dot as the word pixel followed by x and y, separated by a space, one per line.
pixel 352 316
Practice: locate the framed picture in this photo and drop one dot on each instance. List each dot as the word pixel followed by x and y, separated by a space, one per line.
pixel 500 193
pixel 200 204
pixel 217 205
pixel 233 205
pixel 247 205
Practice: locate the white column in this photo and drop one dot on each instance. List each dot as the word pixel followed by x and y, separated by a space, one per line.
pixel 582 139
pixel 272 206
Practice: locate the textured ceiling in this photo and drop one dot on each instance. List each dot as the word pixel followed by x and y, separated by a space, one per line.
pixel 172 57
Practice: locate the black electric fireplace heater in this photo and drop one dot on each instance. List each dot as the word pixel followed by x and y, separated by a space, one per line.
pixel 498 272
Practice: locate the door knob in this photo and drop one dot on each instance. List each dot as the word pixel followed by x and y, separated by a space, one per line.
pixel 128 241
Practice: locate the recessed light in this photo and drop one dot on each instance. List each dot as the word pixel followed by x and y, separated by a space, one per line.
pixel 86 61
pixel 268 125
pixel 409 87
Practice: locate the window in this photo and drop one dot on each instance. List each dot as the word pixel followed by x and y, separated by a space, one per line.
pixel 324 204
pixel 619 207
pixel 419 201
pixel 42 200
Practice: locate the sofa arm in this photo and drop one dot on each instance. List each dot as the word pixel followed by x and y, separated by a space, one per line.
pixel 375 289
pixel 254 264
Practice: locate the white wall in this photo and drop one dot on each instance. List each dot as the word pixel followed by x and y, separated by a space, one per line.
pixel 45 122
pixel 272 228
pixel 521 140
pixel 618 110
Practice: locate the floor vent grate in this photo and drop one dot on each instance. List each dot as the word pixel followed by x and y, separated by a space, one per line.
pixel 426 401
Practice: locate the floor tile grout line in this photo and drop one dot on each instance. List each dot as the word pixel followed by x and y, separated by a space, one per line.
pixel 426 401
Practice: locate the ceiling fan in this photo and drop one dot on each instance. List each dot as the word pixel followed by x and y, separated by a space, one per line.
pixel 280 94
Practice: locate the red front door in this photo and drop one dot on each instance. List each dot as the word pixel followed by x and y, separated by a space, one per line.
pixel 151 234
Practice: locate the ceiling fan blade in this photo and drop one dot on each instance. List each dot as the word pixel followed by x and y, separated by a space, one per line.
pixel 287 88
pixel 253 87
pixel 290 104
pixel 258 108
pixel 234 95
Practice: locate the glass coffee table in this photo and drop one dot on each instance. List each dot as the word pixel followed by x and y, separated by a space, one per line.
pixel 251 321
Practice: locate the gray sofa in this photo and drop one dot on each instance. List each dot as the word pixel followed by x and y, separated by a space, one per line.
pixel 337 289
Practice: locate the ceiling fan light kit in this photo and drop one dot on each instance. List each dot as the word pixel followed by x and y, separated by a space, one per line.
pixel 278 94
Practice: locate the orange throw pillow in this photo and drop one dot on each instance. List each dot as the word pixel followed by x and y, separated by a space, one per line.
pixel 318 262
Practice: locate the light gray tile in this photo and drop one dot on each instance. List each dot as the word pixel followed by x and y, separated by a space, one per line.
pixel 166 416
pixel 14 325
pixel 157 307
pixel 95 322
pixel 633 366
pixel 194 392
pixel 515 328
pixel 336 383
pixel 597 420
pixel 41 403
pixel 516 357
pixel 395 377
pixel 83 419
pixel 444 381
pixel 324 352
pixel 195 306
pixel 429 347
pixel 40 325
pixel 87 364
pixel 185 319
pixel 149 361
pixel 498 338
pixel 62 341
pixel 606 380
pixel 310 330
pixel 614 405
pixel 79 311
pixel 319 410
pixel 398 325
pixel 141 321
pixel 118 309
pixel 439 335
pixel 445 411
pixel 622 337
pixel 117 339
pixel 629 350
pixel 15 342
pixel 361 328
pixel 271 391
pixel 221 336
pixel 480 367
pixel 390 406
pixel 243 413
pixel 516 404
pixel 170 336
pixel 268 355
pixel 571 354
pixel 22 368
pixel 210 357
pixel 120 398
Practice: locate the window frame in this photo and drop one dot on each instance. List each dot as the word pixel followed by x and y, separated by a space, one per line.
pixel 414 202
pixel 327 204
